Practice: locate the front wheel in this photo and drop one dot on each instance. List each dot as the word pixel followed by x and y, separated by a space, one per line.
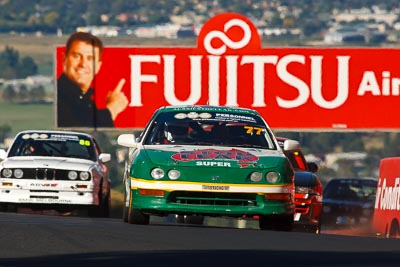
pixel 137 216
pixel 394 229
pixel 101 210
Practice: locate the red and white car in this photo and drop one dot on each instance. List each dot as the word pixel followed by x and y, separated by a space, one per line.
pixel 308 189
pixel 55 170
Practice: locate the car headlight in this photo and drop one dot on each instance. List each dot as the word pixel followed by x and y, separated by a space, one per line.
pixel 256 176
pixel 302 189
pixel 7 173
pixel 157 173
pixel 72 175
pixel 84 176
pixel 272 177
pixel 174 174
pixel 18 173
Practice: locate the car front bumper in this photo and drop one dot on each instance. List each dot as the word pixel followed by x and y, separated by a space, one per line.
pixel 210 203
pixel 47 192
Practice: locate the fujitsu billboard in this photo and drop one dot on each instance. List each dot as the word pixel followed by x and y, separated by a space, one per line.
pixel 293 88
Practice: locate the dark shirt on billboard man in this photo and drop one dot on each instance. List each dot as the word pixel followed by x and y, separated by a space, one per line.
pixel 75 109
pixel 81 62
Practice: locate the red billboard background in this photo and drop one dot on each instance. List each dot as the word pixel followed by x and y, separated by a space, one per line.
pixel 293 88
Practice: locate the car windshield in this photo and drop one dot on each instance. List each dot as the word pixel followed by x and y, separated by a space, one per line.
pixel 54 145
pixel 210 129
pixel 348 189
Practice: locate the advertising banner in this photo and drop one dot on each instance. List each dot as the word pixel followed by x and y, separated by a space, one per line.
pixel 387 201
pixel 294 88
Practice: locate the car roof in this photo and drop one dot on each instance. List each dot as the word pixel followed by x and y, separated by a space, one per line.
pixel 207 108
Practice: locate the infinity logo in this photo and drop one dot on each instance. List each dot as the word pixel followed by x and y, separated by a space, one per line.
pixel 225 39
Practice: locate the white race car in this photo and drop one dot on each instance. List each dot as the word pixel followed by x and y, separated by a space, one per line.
pixel 55 169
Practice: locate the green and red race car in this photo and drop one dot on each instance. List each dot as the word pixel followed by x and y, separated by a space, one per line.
pixel 208 161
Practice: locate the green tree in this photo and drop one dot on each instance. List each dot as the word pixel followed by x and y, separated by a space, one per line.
pixel 51 18
pixel 12 67
pixel 23 93
pixel 7 72
pixel 276 21
pixel 312 27
pixel 10 57
pixel 38 93
pixel 9 94
pixel 5 131
pixel 27 68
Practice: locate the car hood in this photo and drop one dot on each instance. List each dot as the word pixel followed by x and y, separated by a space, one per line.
pixel 213 156
pixel 47 162
pixel 304 178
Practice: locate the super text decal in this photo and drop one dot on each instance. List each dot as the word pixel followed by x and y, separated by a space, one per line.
pixel 292 88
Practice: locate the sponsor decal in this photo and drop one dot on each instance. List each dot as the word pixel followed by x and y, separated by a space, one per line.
pixel 243 158
pixel 213 163
pixel 35 136
pixel 234 117
pixel 56 137
pixel 193 115
pixel 44 184
pixel 388 197
pixel 228 67
pixel 45 200
pixel 216 187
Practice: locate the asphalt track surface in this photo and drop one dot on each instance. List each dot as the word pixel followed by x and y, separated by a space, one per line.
pixel 43 240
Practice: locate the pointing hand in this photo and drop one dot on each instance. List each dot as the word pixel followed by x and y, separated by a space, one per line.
pixel 116 100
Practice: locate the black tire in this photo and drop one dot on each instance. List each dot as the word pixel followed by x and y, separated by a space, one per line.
pixel 137 217
pixel 107 206
pixel 394 229
pixel 94 211
pixel 125 211
pixel 3 207
pixel 276 222
pixel 315 229
pixel 101 210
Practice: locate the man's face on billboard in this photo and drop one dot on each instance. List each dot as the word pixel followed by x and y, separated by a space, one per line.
pixel 82 63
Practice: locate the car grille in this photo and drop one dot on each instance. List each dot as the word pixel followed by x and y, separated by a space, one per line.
pixel 213 199
pixel 302 208
pixel 302 203
pixel 45 174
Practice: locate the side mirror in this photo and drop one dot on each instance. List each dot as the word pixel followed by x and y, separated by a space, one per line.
pixel 105 157
pixel 127 140
pixel 313 167
pixel 291 145
pixel 3 154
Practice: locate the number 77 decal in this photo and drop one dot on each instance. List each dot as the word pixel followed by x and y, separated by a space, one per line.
pixel 251 129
